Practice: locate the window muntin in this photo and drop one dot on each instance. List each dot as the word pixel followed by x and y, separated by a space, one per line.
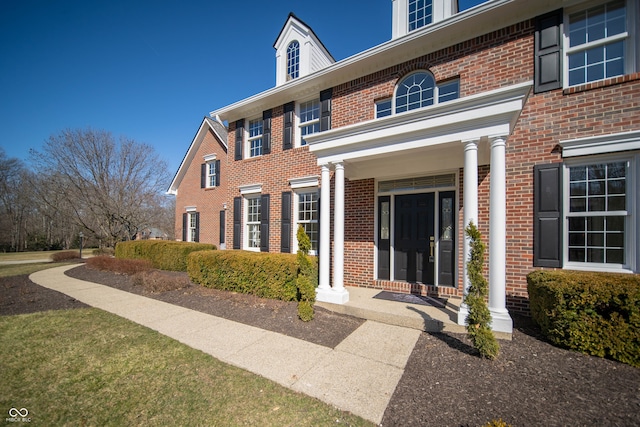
pixel 192 227
pixel 253 219
pixel 597 213
pixel 293 60
pixel 383 108
pixel 255 138
pixel 211 174
pixel 597 43
pixel 309 114
pixel 308 216
pixel 419 90
pixel 420 13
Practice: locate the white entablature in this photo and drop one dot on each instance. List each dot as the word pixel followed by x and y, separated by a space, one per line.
pixel 297 39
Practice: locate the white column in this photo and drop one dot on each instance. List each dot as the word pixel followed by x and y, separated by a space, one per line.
pixel 470 200
pixel 325 230
pixel 338 230
pixel 501 320
pixel 337 294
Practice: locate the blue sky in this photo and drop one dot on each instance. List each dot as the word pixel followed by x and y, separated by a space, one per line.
pixel 151 70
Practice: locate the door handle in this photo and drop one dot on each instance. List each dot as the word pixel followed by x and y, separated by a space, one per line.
pixel 432 244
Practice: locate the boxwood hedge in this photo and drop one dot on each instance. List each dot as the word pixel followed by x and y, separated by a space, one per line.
pixel 595 313
pixel 163 254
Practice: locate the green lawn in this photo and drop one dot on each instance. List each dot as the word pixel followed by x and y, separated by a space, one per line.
pixel 89 367
pixel 28 256
pixel 20 269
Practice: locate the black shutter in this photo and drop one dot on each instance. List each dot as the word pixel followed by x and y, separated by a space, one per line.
pixel 203 175
pixel 185 221
pixel 325 109
pixel 266 132
pixel 239 139
pixel 197 237
pixel 222 226
pixel 287 138
pixel 237 222
pixel 547 215
pixel 217 173
pixel 285 227
pixel 548 52
pixel 264 223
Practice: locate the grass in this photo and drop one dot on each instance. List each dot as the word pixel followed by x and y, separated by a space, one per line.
pixel 89 367
pixel 28 256
pixel 20 269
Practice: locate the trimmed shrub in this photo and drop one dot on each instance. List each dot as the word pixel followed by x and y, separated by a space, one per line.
pixel 266 275
pixel 122 266
pixel 161 281
pixel 308 277
pixel 478 320
pixel 163 254
pixel 594 313
pixel 64 256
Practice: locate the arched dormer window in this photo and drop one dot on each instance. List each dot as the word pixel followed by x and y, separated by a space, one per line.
pixel 415 91
pixel 293 60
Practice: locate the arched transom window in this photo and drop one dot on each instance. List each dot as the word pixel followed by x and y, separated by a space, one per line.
pixel 415 91
pixel 293 60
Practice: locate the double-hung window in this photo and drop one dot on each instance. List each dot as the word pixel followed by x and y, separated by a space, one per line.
pixel 253 212
pixel 598 213
pixel 383 108
pixel 309 123
pixel 211 174
pixel 599 42
pixel 308 216
pixel 192 228
pixel 254 140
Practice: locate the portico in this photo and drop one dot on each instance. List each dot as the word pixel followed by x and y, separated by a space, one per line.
pixel 430 141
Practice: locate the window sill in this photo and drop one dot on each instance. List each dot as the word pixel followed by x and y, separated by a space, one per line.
pixel 601 83
pixel 598 268
pixel 210 188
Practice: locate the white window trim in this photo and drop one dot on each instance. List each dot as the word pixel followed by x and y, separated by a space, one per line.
pixel 248 139
pixel 190 229
pixel 296 215
pixel 632 227
pixel 632 46
pixel 209 175
pixel 245 221
pixel 250 189
pixel 298 123
pixel 190 208
pixel 209 157
pixel 602 144
pixel 304 182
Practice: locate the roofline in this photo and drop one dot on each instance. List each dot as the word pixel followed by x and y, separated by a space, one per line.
pixel 479 20
pixel 177 178
pixel 293 15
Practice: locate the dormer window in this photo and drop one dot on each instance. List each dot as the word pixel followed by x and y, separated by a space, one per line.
pixel 293 60
pixel 420 13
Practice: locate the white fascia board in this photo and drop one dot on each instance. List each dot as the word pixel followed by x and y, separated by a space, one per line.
pixel 460 27
pixel 474 117
pixel 602 144
pixel 191 152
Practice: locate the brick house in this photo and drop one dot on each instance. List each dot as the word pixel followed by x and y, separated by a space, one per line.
pixel 521 116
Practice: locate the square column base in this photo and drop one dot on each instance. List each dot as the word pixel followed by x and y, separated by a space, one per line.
pixel 331 296
pixel 501 321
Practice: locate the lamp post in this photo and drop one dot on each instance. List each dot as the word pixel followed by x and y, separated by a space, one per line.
pixel 81 237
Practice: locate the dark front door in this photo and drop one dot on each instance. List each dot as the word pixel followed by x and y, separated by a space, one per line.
pixel 414 238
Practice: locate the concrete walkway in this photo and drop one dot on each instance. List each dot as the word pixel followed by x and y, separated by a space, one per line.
pixel 359 375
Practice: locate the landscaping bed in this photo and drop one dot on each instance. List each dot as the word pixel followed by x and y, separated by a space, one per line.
pixel 444 384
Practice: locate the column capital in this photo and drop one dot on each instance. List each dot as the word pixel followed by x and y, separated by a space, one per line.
pixel 338 165
pixel 470 144
pixel 495 140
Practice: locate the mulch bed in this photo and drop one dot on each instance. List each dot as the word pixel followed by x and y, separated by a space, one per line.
pixel 445 383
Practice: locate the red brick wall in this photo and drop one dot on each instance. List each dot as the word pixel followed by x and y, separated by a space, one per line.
pixel 273 171
pixel 208 201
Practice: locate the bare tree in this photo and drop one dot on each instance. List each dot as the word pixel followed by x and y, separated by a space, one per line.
pixel 111 186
